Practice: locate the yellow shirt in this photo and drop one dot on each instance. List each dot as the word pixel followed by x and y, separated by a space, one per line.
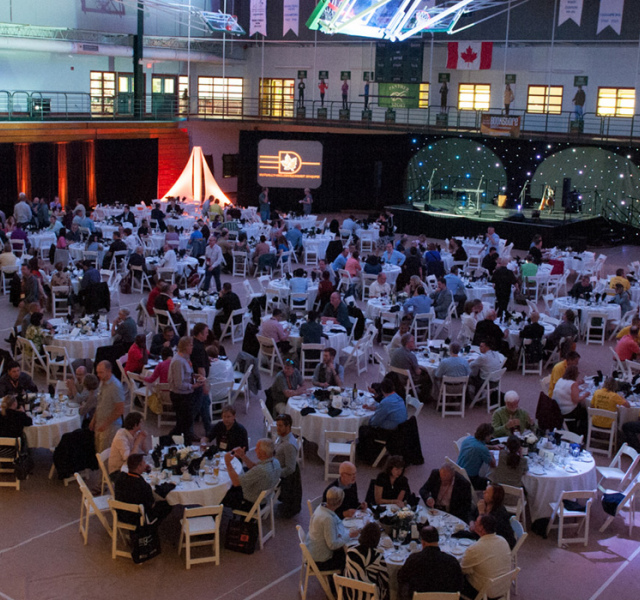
pixel 215 209
pixel 617 279
pixel 605 400
pixel 625 331
pixel 556 374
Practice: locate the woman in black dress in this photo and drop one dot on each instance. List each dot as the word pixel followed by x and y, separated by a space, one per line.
pixel 391 486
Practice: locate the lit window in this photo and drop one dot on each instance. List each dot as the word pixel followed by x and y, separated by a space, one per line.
pixel 616 102
pixel 423 96
pixel 276 97
pixel 543 99
pixel 102 91
pixel 474 96
pixel 220 95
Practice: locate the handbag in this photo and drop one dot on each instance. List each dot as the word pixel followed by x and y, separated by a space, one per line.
pixel 145 543
pixel 241 536
pixel 154 403
pixel 23 465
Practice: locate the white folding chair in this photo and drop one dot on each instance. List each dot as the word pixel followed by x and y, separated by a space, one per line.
pixel 346 587
pixel 498 587
pixel 31 358
pixel 308 365
pixel 59 300
pixel 529 368
pixel 561 513
pixel 435 596
pixel 268 351
pixel 602 435
pixel 338 444
pixel 7 273
pixel 615 471
pixel 242 387
pixel 220 395
pixel 261 510
pixel 234 327
pixel 596 327
pixel 91 505
pixel 165 274
pixel 359 354
pixel 410 387
pixel 240 263
pixel 119 527
pixel 139 280
pixel 312 504
pixel 310 569
pixel 517 509
pixel 490 388
pixel 453 390
pixel 267 419
pixel 17 247
pixel 9 451
pixel 164 319
pixel 414 407
pixel 58 363
pixel 628 501
pixel 197 523
pixel 106 482
pixel 421 326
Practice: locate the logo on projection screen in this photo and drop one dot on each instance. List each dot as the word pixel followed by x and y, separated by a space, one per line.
pixel 289 164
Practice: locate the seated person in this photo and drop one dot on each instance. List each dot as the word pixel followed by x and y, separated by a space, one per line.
pixel 572 401
pixel 535 332
pixel 161 372
pixel 15 382
pixel 288 383
pixel 635 322
pixel 559 369
pixel 325 289
pixel 227 433
pixel 290 480
pixel 133 489
pixel 621 279
pixel 391 486
pixel 379 287
pixel 511 464
pixel 475 452
pixel 486 329
pixel 337 310
pixel 166 338
pixel 627 347
pixel 272 328
pixel 488 362
pixel 129 439
pixel 490 260
pixel 418 304
pixel 454 365
pixel 347 483
pixel 372 265
pixel 430 570
pixel 327 373
pixel 606 398
pixel 260 476
pixel 566 329
pixel 87 398
pixel 312 332
pixel 137 356
pixel 458 253
pixel 327 535
pixel 581 288
pixel 449 491
pixel 493 504
pixel 442 299
pixel 299 284
pixel 13 420
pixel 365 563
pixel 396 340
pixel 510 417
pixel 622 299
pixel 124 328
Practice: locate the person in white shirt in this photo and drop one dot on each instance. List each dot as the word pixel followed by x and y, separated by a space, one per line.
pixel 169 260
pixel 130 439
pixel 8 258
pixel 379 287
pixel 488 362
pixel 405 326
pixel 213 263
pixel 492 240
pixel 487 559
pixel 22 211
pixel 220 371
pixel 130 240
pixel 350 224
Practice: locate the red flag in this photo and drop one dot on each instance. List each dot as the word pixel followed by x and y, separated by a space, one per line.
pixel 469 56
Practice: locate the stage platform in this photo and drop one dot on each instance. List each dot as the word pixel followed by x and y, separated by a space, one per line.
pixel 519 227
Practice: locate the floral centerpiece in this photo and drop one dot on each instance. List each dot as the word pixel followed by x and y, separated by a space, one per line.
pixel 530 443
pixel 198 299
pixel 87 325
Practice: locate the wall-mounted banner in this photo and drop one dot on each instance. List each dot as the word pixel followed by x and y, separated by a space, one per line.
pixel 398 95
pixel 570 10
pixel 289 164
pixel 258 19
pixel 500 126
pixel 610 15
pixel 290 16
pixel 469 55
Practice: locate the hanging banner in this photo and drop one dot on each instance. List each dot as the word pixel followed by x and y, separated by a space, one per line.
pixel 290 16
pixel 258 19
pixel 610 15
pixel 570 10
pixel 469 55
pixel 398 95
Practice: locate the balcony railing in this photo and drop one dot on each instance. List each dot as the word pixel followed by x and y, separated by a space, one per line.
pixel 22 105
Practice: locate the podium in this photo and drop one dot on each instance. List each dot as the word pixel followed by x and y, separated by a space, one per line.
pixel 577 126
pixel 390 116
pixel 322 113
pixel 366 115
pixel 301 112
pixel 442 119
pixel 345 114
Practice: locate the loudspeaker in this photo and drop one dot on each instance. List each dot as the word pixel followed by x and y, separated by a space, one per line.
pixel 230 164
pixel 566 190
pixel 517 218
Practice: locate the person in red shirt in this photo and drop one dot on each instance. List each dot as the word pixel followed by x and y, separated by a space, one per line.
pixel 137 355
pixel 153 294
pixel 627 348
pixel 161 372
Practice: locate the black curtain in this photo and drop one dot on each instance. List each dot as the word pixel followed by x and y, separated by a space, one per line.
pixel 359 171
pixel 8 178
pixel 44 170
pixel 126 171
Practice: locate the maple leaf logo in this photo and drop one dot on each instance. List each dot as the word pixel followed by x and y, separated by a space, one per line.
pixel 289 163
pixel 469 55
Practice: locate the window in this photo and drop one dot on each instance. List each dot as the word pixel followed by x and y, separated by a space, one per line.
pixel 423 96
pixel 102 91
pixel 474 96
pixel 616 102
pixel 183 94
pixel 276 97
pixel 544 99
pixel 220 96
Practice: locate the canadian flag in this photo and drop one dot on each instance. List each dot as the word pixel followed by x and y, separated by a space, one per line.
pixel 469 56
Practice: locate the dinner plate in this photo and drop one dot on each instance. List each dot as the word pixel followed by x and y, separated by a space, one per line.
pixel 465 542
pixel 396 557
pixel 458 550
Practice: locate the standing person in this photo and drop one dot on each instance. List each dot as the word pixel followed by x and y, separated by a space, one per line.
pixel 110 407
pixel 509 97
pixel 345 94
pixel 444 93
pixel 264 205
pixel 201 403
pixel 287 456
pixel 322 86
pixel 578 102
pixel 503 279
pixel 182 384
pixel 307 201
pixel 301 87
pixel 366 95
pixel 213 264
pixel 29 293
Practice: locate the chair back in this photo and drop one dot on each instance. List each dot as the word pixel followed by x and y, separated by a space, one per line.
pixel 499 587
pixel 102 458
pixel 365 591
pixel 436 596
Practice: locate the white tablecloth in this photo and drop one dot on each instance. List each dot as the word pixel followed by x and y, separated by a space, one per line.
pixel 81 345
pixel 320 242
pixel 316 424
pixel 304 222
pixel 282 286
pixel 337 341
pixel 190 261
pixel 184 221
pixel 478 289
pixel 564 303
pixel 543 489
pixel 48 434
pixel 376 306
pixel 391 271
pixel 41 239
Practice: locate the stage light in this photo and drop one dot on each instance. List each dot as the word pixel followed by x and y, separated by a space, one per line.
pixel 415 141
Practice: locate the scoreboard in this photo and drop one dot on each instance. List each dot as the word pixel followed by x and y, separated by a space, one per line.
pixel 399 62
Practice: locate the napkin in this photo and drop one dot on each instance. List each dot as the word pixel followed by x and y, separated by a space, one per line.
pixel 464 535
pixel 307 411
pixel 163 489
pixel 334 412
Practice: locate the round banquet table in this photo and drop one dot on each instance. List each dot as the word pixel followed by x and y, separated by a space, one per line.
pixel 47 433
pixel 42 239
pixel 430 360
pixel 319 242
pixel 209 311
pixel 80 345
pixel 391 271
pixel 314 426
pixel 157 239
pixel 478 289
pixel 336 334
pixel 376 306
pixel 544 485
pixel 584 308
pixel 304 222
pixel 444 523
pixel 514 332
pixel 282 286
pixel 188 261
pixel 186 222
pixel 372 233
pixel 205 491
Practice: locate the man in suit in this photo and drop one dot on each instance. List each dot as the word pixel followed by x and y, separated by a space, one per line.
pixel 449 491
pixel 346 482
